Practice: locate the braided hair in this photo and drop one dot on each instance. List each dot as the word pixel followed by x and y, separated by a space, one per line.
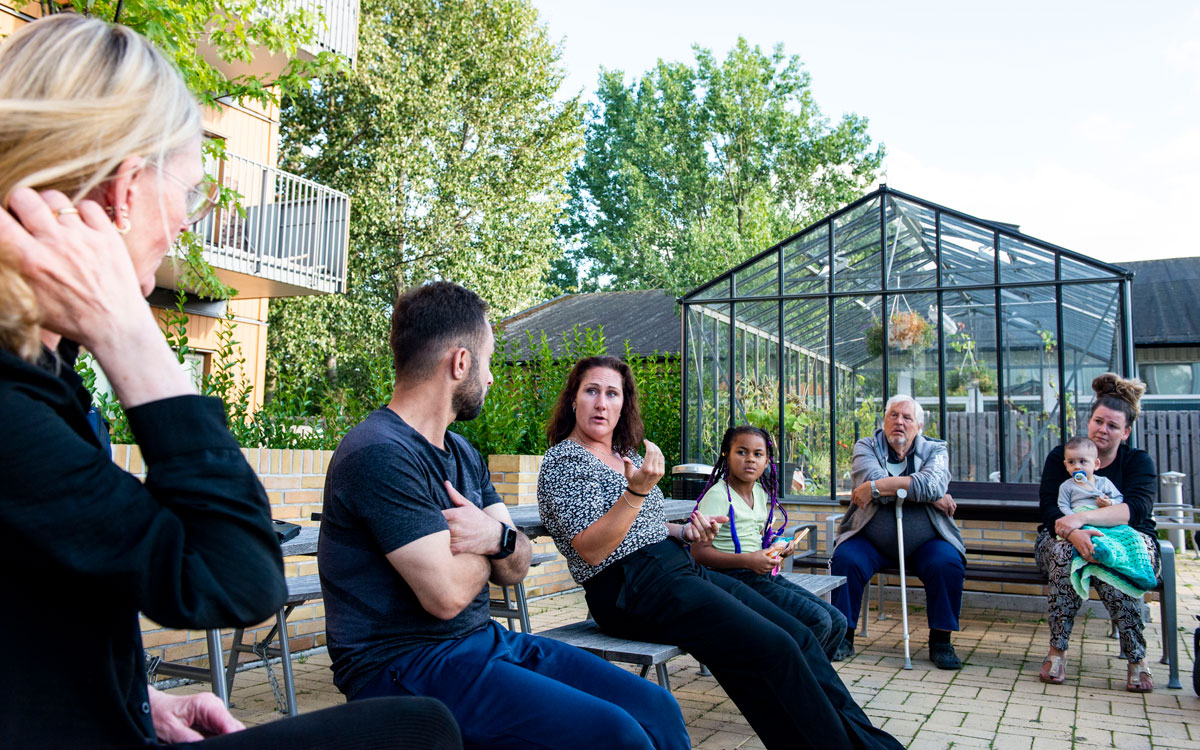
pixel 769 479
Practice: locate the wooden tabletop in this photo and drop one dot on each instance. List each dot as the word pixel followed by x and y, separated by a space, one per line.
pixel 304 544
pixel 529 523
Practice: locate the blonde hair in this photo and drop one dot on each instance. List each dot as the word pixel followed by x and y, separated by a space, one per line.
pixel 75 101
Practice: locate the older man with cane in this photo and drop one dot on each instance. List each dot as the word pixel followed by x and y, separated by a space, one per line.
pixel 898 457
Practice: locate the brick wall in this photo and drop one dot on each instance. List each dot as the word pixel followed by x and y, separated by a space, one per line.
pixel 294 481
pixel 515 479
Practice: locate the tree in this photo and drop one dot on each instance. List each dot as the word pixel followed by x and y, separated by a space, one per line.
pixel 454 152
pixel 691 170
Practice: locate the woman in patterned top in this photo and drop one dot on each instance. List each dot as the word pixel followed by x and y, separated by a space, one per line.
pixel 600 501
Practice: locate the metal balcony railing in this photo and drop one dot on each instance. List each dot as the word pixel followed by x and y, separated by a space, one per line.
pixel 294 231
pixel 340 32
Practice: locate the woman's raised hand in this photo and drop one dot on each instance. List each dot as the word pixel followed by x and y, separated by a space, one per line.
pixel 647 477
pixel 76 264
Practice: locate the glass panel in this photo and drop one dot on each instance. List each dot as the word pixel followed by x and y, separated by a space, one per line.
pixel 967 253
pixel 910 246
pixel 756 384
pixel 1075 269
pixel 719 290
pixel 860 388
pixel 856 249
pixel 806 398
pixel 972 429
pixel 912 352
pixel 1021 261
pixel 806 262
pixel 1091 344
pixel 1028 324
pixel 1169 379
pixel 707 397
pixel 760 279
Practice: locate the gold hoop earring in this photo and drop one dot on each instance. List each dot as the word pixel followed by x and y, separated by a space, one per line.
pixel 122 228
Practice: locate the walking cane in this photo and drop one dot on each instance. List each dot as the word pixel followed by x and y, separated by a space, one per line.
pixel 900 495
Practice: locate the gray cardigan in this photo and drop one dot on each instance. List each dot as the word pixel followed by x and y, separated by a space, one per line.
pixel 927 485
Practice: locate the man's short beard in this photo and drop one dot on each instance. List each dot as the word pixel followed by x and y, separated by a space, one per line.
pixel 467 400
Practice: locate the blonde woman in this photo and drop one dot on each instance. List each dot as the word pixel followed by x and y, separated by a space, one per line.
pixel 100 170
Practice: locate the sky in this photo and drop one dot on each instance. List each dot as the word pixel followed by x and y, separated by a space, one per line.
pixel 1079 122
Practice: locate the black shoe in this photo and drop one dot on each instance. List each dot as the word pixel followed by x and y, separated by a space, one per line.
pixel 844 651
pixel 943 657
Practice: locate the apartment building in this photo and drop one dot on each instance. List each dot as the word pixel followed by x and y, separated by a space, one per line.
pixel 293 236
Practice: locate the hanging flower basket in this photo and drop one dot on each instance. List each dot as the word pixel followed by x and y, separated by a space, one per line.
pixel 908 331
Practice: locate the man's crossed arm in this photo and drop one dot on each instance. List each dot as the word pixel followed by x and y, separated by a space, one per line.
pixel 447 569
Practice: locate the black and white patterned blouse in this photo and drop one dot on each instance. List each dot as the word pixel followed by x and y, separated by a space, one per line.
pixel 575 489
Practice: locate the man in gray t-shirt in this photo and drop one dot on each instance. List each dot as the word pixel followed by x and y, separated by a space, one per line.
pixel 412 533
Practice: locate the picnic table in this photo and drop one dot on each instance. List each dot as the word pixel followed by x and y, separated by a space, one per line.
pixel 529 523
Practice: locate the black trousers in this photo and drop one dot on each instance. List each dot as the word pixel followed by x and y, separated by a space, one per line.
pixel 770 665
pixel 374 724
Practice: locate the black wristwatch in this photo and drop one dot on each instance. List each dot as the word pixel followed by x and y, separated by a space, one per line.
pixel 508 542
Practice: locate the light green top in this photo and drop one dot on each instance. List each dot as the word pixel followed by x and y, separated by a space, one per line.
pixel 749 521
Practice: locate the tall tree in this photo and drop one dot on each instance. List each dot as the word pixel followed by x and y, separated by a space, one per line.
pixel 448 138
pixel 692 169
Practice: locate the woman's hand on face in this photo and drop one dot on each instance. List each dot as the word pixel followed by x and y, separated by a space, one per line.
pixel 76 264
pixel 646 478
pixel 759 562
pixel 1081 539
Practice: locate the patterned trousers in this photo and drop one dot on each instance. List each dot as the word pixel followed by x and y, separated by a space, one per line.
pixel 1054 559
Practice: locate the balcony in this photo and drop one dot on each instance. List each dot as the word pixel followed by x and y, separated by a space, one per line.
pixel 339 34
pixel 292 240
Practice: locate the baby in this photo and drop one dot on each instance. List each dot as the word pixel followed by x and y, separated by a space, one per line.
pixel 1084 490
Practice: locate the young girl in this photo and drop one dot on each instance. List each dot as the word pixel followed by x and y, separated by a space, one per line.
pixel 743 487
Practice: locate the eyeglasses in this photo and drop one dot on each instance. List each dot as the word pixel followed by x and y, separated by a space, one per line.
pixel 201 198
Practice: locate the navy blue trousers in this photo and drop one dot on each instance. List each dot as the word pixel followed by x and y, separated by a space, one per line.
pixel 936 562
pixel 512 690
pixel 825 621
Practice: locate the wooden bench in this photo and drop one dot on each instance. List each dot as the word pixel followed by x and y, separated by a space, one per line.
pixel 587 635
pixel 996 501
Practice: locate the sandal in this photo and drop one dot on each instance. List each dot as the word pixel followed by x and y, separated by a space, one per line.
pixel 1139 678
pixel 1054 670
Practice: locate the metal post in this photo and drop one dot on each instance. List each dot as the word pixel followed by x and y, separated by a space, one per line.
pixel 1172 494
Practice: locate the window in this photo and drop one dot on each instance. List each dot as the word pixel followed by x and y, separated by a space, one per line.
pixel 1169 379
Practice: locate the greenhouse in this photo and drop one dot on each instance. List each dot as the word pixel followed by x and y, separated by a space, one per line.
pixel 996 334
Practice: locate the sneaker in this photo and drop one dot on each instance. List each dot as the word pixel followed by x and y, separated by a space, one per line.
pixel 844 651
pixel 943 657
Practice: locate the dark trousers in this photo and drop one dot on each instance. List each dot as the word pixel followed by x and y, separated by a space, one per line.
pixel 512 690
pixel 770 665
pixel 380 724
pixel 936 562
pixel 825 621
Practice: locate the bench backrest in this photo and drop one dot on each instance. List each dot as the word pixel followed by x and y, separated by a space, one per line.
pixel 996 501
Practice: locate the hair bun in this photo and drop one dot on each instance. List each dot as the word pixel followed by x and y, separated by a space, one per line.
pixel 1129 390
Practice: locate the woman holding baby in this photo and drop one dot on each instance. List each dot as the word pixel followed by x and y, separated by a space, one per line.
pixel 1061 535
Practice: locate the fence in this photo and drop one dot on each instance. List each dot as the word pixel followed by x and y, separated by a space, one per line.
pixel 975 457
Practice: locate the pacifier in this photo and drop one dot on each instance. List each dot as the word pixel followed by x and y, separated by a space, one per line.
pixel 1080 476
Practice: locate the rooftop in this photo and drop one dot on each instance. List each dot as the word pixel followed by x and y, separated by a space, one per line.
pixel 1162 291
pixel 646 318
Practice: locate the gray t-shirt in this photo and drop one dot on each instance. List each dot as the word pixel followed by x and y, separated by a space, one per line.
pixel 1073 496
pixel 384 489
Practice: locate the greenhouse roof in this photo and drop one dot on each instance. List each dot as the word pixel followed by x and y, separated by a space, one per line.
pixel 911 249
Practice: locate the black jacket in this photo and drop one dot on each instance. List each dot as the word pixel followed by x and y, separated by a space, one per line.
pixel 85 546
pixel 1132 471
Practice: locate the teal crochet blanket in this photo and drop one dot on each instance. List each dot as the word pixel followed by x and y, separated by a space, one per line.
pixel 1121 560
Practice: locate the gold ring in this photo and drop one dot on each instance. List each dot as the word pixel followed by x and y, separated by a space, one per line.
pixel 64 211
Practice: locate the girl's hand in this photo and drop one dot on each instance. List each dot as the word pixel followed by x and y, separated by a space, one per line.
pixel 646 478
pixel 789 549
pixel 759 562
